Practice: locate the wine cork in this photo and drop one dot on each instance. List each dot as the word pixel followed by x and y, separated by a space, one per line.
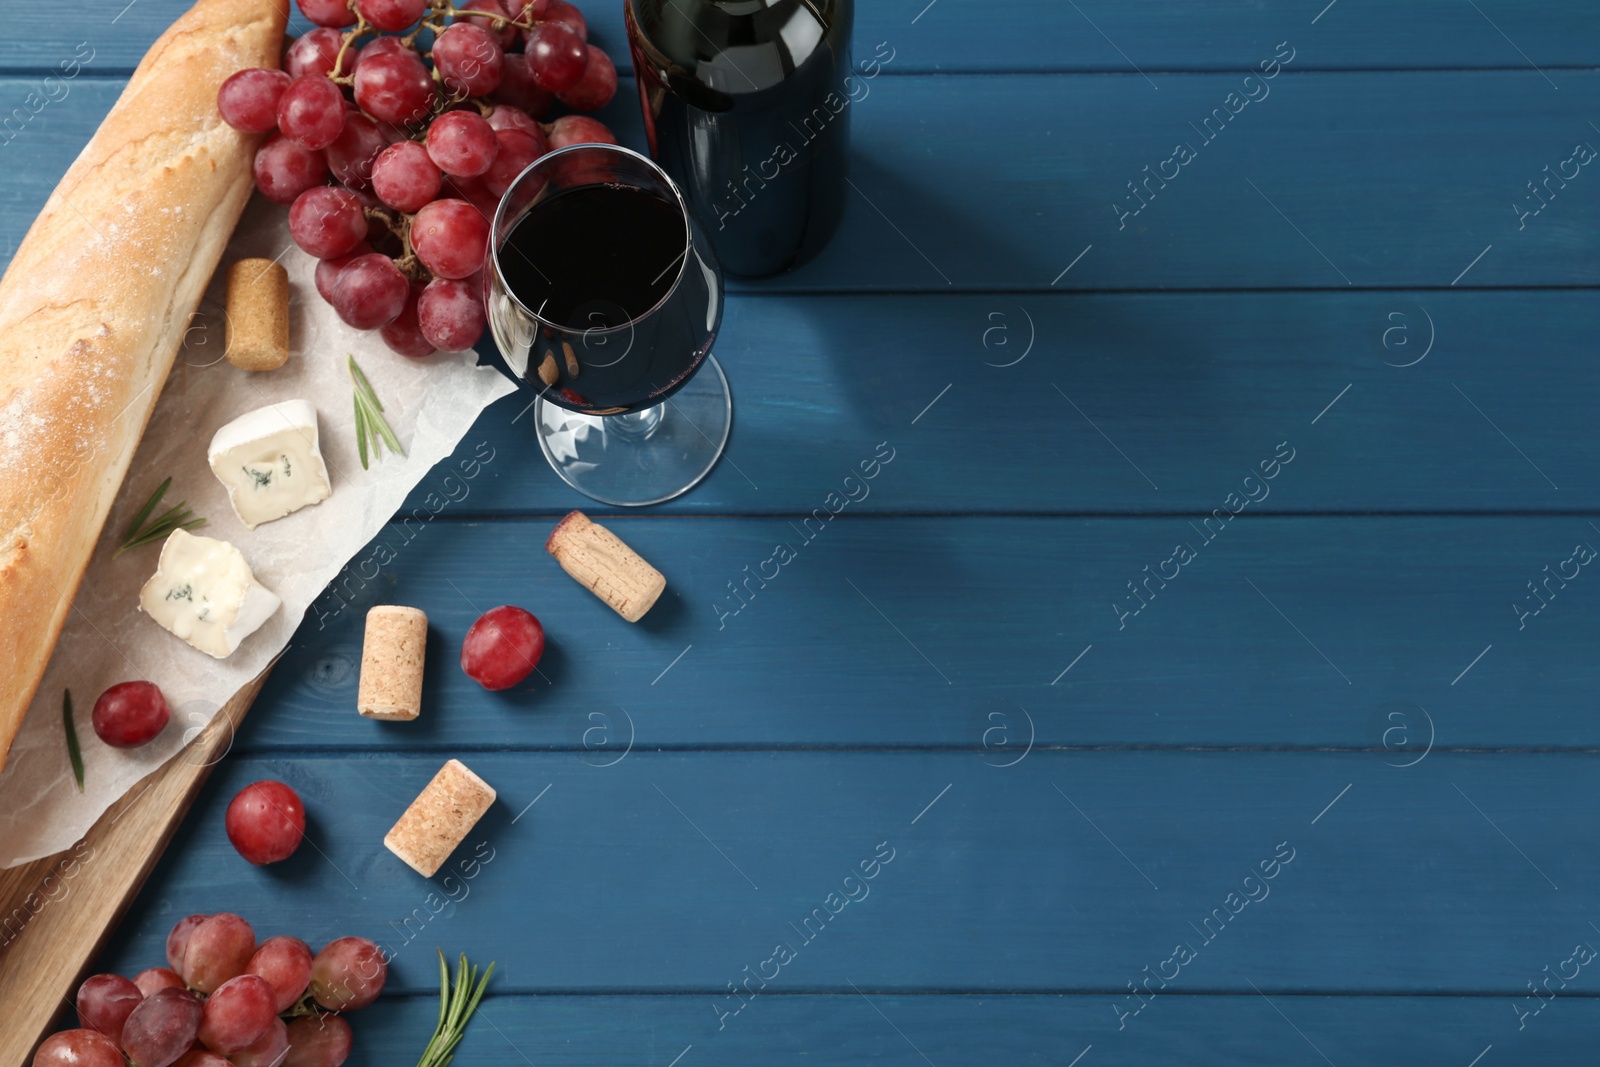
pixel 607 567
pixel 440 818
pixel 258 315
pixel 391 663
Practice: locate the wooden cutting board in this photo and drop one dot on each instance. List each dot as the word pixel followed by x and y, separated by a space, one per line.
pixel 56 913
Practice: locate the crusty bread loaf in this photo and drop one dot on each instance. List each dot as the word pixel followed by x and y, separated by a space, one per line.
pixel 93 308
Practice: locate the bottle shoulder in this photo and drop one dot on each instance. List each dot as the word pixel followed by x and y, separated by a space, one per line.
pixel 738 46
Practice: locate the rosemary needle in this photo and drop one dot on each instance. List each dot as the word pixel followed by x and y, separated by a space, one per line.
pixel 179 516
pixel 371 426
pixel 73 752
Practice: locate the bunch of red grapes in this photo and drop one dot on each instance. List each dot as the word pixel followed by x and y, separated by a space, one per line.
pixel 419 156
pixel 224 1001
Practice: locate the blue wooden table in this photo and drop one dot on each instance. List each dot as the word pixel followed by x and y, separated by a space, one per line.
pixel 1207 675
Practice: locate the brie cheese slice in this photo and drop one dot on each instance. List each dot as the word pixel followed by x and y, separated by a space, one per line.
pixel 270 462
pixel 203 591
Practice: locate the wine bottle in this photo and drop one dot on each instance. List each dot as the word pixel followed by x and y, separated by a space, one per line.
pixel 746 106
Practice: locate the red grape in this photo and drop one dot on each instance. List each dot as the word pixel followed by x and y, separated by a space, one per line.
pixel 161 1028
pixel 472 191
pixel 507 117
pixel 284 170
pixel 403 335
pixel 450 236
pixel 334 13
pixel 561 11
pixel 248 101
pixel 597 86
pixel 130 714
pixel 327 272
pixel 327 222
pixel 311 112
pixel 517 88
pixel 316 53
pixel 462 144
pixel 529 9
pixel 503 32
pixel 78 1048
pixel 469 60
pixel 318 1041
pixel 517 151
pixel 268 1050
pixel 266 820
pixel 351 156
pixel 556 56
pixel 348 974
pixel 237 1014
pixel 285 962
pixel 450 314
pixel 199 1057
pixel 395 87
pixel 219 949
pixel 178 940
pixel 104 1003
pixel 405 178
pixel 380 46
pixel 371 292
pixel 156 978
pixel 502 647
pixel 579 129
pixel 392 15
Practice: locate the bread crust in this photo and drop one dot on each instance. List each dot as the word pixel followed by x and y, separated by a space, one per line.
pixel 93 308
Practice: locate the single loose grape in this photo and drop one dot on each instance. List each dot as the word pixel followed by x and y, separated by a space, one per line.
pixel 502 647
pixel 130 714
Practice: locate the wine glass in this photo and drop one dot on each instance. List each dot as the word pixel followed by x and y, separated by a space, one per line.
pixel 604 297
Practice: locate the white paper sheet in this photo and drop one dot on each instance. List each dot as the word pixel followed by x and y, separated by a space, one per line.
pixel 430 404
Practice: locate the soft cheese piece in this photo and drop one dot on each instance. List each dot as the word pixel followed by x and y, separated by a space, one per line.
pixel 203 591
pixel 270 462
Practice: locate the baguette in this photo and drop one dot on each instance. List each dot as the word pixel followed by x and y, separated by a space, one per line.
pixel 94 306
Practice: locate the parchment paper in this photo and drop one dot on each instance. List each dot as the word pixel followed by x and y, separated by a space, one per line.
pixel 430 404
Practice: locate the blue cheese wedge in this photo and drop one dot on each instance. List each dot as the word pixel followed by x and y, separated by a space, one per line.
pixel 204 592
pixel 270 462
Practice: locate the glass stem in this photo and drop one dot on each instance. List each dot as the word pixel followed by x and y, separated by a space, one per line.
pixel 636 425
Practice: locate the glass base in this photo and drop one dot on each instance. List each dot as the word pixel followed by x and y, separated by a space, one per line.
pixel 645 457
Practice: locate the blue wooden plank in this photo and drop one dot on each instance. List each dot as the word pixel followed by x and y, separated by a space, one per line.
pixel 1067 404
pixel 1365 179
pixel 956 633
pixel 1041 35
pixel 847 1030
pixel 1069 872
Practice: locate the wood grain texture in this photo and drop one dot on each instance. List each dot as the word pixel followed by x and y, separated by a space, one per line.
pixel 1188 390
pixel 979 618
pixel 1391 180
pixel 873 1028
pixel 1068 872
pixel 1047 35
pixel 57 912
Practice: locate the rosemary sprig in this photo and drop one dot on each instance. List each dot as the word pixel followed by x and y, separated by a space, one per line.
pixel 73 753
pixel 456 1005
pixel 179 516
pixel 371 426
